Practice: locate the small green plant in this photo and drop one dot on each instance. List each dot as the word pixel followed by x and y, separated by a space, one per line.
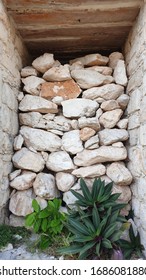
pixel 96 223
pixel 133 246
pixel 48 222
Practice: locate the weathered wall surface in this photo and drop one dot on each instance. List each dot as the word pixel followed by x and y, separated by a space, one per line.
pixel 12 57
pixel 135 52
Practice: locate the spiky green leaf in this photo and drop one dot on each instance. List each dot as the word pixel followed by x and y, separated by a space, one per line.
pixel 85 190
pixel 106 243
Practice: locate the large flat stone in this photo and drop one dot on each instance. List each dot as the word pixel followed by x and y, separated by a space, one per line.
pixel 92 60
pixel 23 181
pixel 59 161
pixel 44 186
pixel 32 84
pixel 43 62
pixel 107 92
pixel 57 74
pixel 119 174
pixel 110 136
pixel 90 171
pixel 110 118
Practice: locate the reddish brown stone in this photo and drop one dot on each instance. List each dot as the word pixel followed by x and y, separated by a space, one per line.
pixel 67 89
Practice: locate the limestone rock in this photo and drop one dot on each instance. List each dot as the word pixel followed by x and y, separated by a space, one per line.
pixel 104 70
pixel 109 119
pixel 90 78
pixel 43 62
pixel 31 119
pixel 120 73
pixel 57 74
pixel 57 100
pixel 14 174
pixel 110 105
pixel 18 142
pixel 118 144
pixel 89 122
pixel 122 124
pixel 102 154
pixel 40 140
pixel 86 133
pixel 32 84
pixel 37 104
pixel 59 161
pixel 28 160
pixel 64 181
pixel 66 89
pixel 90 171
pixel 107 92
pixel 114 58
pixel 21 203
pixel 123 101
pixel 16 221
pixel 70 199
pixel 76 65
pixel 75 108
pixel 23 181
pixel 125 193
pixel 44 186
pixel 71 142
pixel 92 143
pixel 91 60
pixel 28 71
pixel 20 96
pixel 110 136
pixel 119 174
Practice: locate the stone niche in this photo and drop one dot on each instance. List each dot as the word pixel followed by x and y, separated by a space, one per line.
pixel 72 125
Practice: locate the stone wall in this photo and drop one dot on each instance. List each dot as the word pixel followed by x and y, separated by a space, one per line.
pixel 135 54
pixel 12 56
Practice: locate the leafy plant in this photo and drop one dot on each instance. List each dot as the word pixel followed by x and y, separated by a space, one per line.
pixel 48 222
pixel 132 246
pixel 96 224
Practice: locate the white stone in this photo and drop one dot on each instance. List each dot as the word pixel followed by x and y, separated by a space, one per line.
pixel 118 144
pixel 16 221
pixel 14 174
pixel 31 119
pixel 70 199
pixel 125 193
pixel 43 62
pixel 75 108
pixel 18 142
pixel 64 181
pixel 71 142
pixel 21 203
pixel 37 104
pixel 102 154
pixel 57 100
pixel 119 174
pixel 114 58
pixel 59 161
pixel 99 112
pixel 44 186
pixel 75 124
pixel 89 122
pixel 123 101
pixel 90 78
pixel 110 136
pixel 40 140
pixel 28 71
pixel 104 70
pixel 110 119
pixel 76 65
pixel 107 92
pixel 32 84
pixel 92 143
pixel 44 155
pixel 91 60
pixel 28 160
pixel 86 133
pixel 90 171
pixel 20 96
pixel 110 105
pixel 120 73
pixel 122 124
pixel 57 74
pixel 23 181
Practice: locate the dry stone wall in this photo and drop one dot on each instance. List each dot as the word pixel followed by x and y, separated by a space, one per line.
pixel 135 54
pixel 72 125
pixel 12 57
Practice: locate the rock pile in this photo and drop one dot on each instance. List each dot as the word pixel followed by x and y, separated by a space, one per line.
pixel 72 125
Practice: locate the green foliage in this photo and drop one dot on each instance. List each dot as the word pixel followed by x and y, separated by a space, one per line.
pixel 95 222
pixel 8 234
pixel 132 246
pixel 48 222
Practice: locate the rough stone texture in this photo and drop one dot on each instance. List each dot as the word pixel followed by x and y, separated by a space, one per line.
pixel 18 142
pixel 90 171
pixel 21 202
pixel 59 73
pixel 80 107
pixel 71 142
pixel 66 89
pixel 91 60
pixel 40 140
pixel 92 143
pixel 37 104
pixel 44 186
pixel 28 71
pixel 123 101
pixel 86 133
pixel 119 174
pixel 110 105
pixel 110 136
pixel 120 73
pixel 109 119
pixel 44 62
pixel 107 92
pixel 26 159
pixel 104 70
pixel 89 122
pixel 23 181
pixel 114 58
pixel 90 78
pixel 102 154
pixel 59 161
pixel 32 84
pixel 64 181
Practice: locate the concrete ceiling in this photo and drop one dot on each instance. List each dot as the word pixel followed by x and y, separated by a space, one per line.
pixel 71 27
